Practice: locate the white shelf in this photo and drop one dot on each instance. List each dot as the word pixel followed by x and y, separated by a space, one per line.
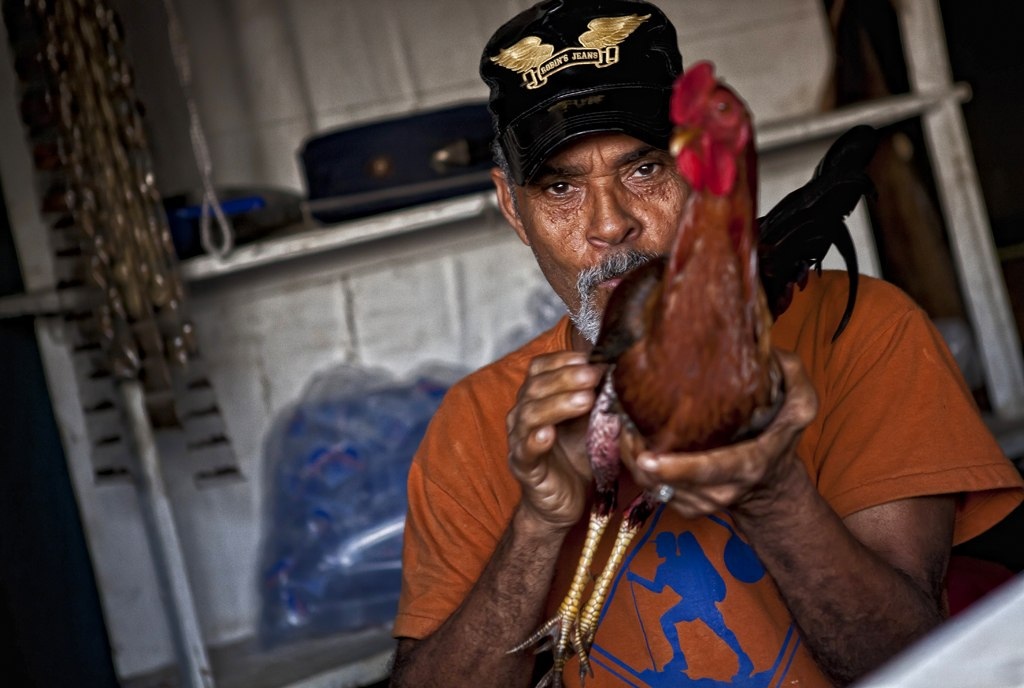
pixel 348 660
pixel 316 240
pixel 309 240
pixel 344 661
pixel 878 113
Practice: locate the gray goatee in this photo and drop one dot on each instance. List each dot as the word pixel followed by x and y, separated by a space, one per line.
pixel 588 318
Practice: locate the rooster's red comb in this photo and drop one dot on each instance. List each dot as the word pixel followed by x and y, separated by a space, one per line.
pixel 691 91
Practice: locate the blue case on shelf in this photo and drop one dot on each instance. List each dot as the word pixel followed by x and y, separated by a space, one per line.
pixel 397 163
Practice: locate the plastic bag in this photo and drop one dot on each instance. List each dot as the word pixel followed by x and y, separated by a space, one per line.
pixel 543 308
pixel 337 462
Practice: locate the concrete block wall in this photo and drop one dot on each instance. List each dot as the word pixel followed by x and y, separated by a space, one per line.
pixel 269 73
pixel 266 75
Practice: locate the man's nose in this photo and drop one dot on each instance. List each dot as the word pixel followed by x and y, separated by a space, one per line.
pixel 612 222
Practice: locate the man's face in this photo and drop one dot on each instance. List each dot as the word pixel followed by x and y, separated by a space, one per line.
pixel 597 208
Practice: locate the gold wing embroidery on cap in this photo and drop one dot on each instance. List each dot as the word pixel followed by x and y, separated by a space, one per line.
pixel 608 31
pixel 525 55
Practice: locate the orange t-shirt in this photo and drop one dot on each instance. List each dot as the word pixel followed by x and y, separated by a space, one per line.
pixel 692 604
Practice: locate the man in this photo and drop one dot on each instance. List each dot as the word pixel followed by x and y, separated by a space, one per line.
pixel 806 556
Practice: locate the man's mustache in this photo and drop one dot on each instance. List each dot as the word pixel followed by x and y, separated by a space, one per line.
pixel 615 265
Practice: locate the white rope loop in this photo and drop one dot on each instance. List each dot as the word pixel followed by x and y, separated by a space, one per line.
pixel 221 245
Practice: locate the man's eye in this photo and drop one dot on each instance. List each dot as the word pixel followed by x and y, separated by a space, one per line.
pixel 647 169
pixel 559 188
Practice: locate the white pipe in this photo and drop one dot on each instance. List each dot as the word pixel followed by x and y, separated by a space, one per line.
pixel 165 545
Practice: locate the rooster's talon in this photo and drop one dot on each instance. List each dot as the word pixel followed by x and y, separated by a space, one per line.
pixel 548 633
pixel 556 635
pixel 582 642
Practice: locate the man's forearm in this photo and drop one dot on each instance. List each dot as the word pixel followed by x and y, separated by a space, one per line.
pixel 854 608
pixel 502 609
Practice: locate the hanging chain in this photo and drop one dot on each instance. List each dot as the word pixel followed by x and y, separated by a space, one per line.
pixel 109 188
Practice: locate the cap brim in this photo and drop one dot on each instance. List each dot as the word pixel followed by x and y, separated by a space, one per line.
pixel 640 111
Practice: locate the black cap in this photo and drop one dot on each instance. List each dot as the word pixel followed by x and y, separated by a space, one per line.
pixel 566 68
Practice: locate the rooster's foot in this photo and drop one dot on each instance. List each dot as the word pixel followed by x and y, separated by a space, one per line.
pixel 560 633
pixel 556 635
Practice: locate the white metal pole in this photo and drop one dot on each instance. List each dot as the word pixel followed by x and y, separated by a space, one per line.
pixel 165 544
pixel 963 207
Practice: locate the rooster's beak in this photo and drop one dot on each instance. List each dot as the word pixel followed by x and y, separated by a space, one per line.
pixel 681 137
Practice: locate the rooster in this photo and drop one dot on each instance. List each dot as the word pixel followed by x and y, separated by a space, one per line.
pixel 710 303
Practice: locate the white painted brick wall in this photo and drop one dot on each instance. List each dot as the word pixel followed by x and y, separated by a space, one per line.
pixel 269 73
pixel 406 312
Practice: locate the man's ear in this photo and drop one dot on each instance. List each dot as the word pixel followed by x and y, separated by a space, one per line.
pixel 505 203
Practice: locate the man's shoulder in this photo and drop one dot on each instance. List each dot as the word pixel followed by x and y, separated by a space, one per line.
pixel 830 290
pixel 818 308
pixel 510 369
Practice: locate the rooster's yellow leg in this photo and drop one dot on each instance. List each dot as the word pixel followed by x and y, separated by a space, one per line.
pixel 586 626
pixel 558 631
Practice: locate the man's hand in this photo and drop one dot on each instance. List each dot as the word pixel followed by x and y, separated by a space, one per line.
pixel 546 433
pixel 739 476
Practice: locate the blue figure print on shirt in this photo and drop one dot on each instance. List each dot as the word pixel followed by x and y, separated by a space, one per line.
pixel 740 559
pixel 687 574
